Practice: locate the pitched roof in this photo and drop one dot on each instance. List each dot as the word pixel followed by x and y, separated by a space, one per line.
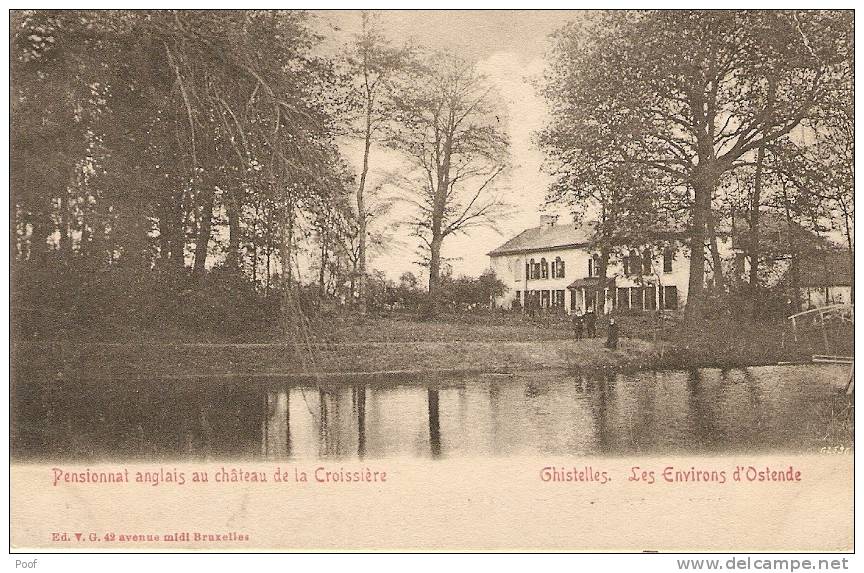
pixel 591 282
pixel 776 235
pixel 549 237
pixel 544 238
pixel 825 268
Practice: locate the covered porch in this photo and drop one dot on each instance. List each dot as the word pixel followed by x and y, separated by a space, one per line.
pixel 584 294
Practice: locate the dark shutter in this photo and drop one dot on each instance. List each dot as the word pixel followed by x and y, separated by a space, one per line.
pixel 670 297
pixel 667 261
pixel 623 298
pixel 636 298
pixel 650 298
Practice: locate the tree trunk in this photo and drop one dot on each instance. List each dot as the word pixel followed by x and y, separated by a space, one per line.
pixel 434 273
pixel 177 229
pixel 13 229
pixel 164 225
pixel 170 230
pixel 85 242
pixel 703 189
pixel 850 245
pixel 352 281
pixel 233 207
pixel 65 215
pixel 204 229
pixel 290 306
pixel 716 260
pixel 98 247
pixel 287 250
pixel 42 229
pixel 323 263
pixel 794 281
pixel 439 206
pixel 267 276
pixel 754 231
pixel 601 273
pixel 254 246
pixel 361 211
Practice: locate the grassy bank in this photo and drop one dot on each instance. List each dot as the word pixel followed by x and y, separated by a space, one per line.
pixel 147 360
pixel 400 344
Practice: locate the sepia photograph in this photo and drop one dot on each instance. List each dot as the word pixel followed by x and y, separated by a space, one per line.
pixel 431 280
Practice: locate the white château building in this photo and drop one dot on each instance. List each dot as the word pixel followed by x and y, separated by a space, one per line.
pixel 555 266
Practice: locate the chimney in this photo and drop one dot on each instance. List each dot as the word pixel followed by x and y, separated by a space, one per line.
pixel 549 220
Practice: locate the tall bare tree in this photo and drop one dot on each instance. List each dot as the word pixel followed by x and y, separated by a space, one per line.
pixel 373 63
pixel 449 126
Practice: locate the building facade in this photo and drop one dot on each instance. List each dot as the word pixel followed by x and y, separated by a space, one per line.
pixel 556 267
pixel 822 271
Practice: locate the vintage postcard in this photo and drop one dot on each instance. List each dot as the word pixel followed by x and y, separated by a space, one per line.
pixel 390 281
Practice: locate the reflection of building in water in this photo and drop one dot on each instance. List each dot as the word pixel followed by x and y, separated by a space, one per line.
pixel 506 416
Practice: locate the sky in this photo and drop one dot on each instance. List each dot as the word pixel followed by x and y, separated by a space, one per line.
pixel 509 48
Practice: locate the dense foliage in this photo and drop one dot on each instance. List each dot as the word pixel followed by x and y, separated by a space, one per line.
pixel 184 169
pixel 692 121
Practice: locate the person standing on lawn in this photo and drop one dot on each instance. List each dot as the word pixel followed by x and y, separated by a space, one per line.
pixel 591 323
pixel 612 337
pixel 578 324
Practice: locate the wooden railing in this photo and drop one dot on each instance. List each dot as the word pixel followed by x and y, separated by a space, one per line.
pixel 845 312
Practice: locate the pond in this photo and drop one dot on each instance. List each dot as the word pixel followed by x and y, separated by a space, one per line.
pixel 708 411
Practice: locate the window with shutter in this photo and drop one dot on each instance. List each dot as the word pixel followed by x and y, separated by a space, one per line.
pixel 670 298
pixel 623 298
pixel 650 298
pixel 668 255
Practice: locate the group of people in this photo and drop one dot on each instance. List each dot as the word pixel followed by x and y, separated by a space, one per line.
pixel 587 323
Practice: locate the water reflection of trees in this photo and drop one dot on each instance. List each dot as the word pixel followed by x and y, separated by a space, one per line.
pixel 602 390
pixel 700 411
pixel 358 398
pixel 495 417
pixel 434 422
pixel 645 431
pixel 234 418
pixel 244 417
pixel 337 427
